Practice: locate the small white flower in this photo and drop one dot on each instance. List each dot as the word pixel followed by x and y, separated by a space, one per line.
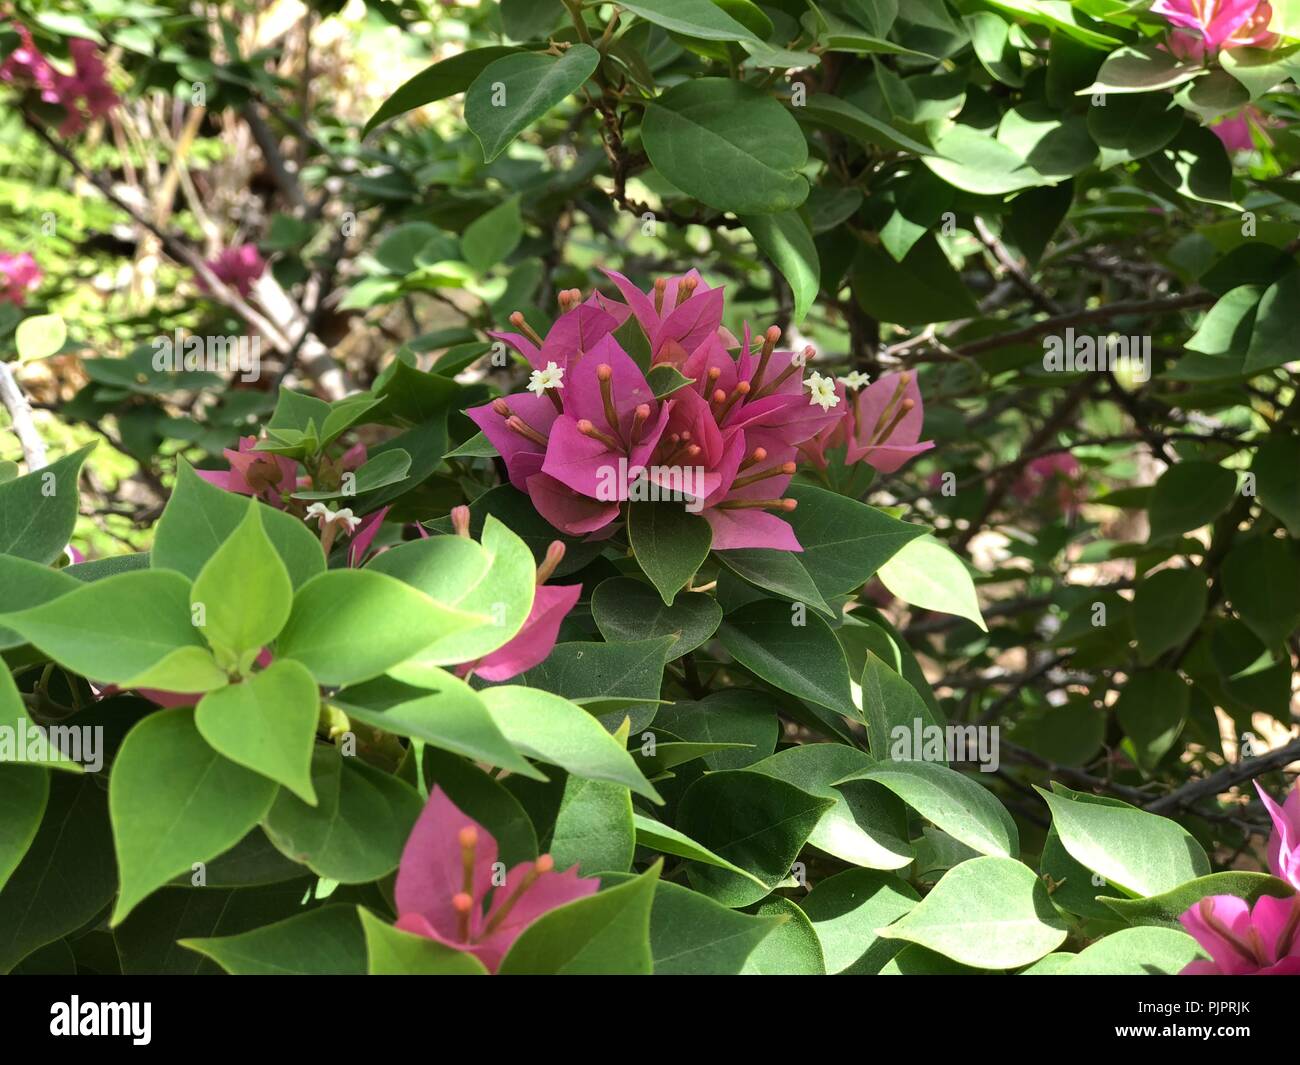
pixel 552 377
pixel 856 379
pixel 822 391
pixel 327 517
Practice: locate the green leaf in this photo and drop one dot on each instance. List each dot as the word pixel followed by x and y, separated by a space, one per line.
pixel 1128 952
pixel 38 511
pixel 492 236
pixel 357 829
pixel 24 790
pixel 1261 579
pixel 702 19
pixel 243 593
pixel 780 572
pixel 1128 70
pixel 556 731
pixel 1163 910
pixel 266 723
pixel 849 910
pixel 1151 708
pixel 486 800
pixel 1134 127
pixel 844 542
pixel 430 704
pixel 1142 854
pixel 733 715
pixel 691 935
pixel 1167 608
pixel 952 802
pixel 604 934
pixel 40 336
pixel 392 952
pixel 656 836
pixel 624 678
pixel 200 517
pixel 323 942
pixel 437 82
pixel 929 575
pixel 627 610
pixel 890 703
pixel 513 92
pixel 752 820
pixel 1272 339
pixel 973 161
pixel 1189 495
pixel 787 241
pixel 805 659
pixel 727 144
pixel 989 913
pixel 66 876
pixel 920 289
pixel 670 544
pixel 867 826
pixel 593 829
pixel 29 584
pixel 146 942
pixel 164 823
pixel 494 581
pixel 350 625
pixel 792 949
pixel 1277 472
pixel 132 630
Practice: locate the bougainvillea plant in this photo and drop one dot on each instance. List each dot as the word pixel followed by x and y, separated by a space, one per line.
pixel 675 487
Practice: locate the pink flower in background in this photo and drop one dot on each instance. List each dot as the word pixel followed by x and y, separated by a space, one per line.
pixel 535 640
pixel 884 423
pixel 1235 131
pixel 446 876
pixel 1058 476
pixel 83 94
pixel 237 267
pixel 271 478
pixel 1242 940
pixel 19 275
pixel 1284 842
pixel 1213 24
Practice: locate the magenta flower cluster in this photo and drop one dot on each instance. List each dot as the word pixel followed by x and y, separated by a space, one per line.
pixel 84 94
pixel 590 431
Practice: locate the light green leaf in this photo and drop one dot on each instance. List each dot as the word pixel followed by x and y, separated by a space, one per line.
pixel 40 336
pixel 989 913
pixel 351 625
pixel 133 630
pixel 243 593
pixel 392 952
pixel 928 574
pixel 556 731
pixel 950 801
pixel 165 822
pixel 1141 854
pixel 266 723
pixel 605 934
